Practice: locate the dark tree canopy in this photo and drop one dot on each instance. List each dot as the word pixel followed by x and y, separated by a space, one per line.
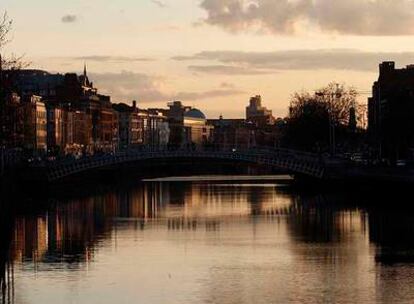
pixel 313 116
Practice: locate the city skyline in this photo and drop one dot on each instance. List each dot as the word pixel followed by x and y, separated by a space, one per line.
pixel 213 54
pixel 206 151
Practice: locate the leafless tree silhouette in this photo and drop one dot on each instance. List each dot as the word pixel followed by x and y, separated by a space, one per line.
pixel 311 115
pixel 9 62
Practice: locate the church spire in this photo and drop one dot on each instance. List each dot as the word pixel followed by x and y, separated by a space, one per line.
pixel 85 75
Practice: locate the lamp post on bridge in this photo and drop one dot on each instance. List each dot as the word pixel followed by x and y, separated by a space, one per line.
pixel 332 130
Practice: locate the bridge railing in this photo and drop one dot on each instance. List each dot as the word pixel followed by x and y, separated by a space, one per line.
pixel 296 161
pixel 267 152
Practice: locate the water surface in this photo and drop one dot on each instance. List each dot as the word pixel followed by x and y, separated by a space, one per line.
pixel 209 241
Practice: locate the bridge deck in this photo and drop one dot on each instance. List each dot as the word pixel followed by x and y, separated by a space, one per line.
pixel 294 161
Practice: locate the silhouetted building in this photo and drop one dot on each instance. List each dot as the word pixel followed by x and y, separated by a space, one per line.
pixel 242 134
pixel 12 122
pixel 258 114
pixel 34 82
pixel 391 112
pixel 79 94
pixel 129 125
pixel 233 133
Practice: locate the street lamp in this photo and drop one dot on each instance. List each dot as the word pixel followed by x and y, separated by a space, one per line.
pixel 333 95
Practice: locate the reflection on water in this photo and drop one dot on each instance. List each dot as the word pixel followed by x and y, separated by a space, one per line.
pixel 207 242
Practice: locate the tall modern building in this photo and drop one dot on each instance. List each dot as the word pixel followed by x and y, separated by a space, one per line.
pixel 258 114
pixel 391 112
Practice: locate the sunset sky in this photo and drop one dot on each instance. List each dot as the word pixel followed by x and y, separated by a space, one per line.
pixel 214 54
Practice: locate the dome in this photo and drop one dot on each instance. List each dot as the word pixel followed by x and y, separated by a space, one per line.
pixel 195 113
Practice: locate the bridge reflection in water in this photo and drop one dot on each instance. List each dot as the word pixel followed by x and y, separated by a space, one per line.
pixel 217 242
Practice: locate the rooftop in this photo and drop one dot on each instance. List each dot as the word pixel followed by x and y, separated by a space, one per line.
pixel 195 113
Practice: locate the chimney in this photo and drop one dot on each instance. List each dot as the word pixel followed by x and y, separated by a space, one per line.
pixel 134 104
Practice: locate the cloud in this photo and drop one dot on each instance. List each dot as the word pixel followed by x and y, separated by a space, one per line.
pixel 227 70
pixel 118 59
pixel 206 94
pixel 126 86
pixel 266 62
pixel 227 85
pixel 354 17
pixel 159 3
pixel 69 19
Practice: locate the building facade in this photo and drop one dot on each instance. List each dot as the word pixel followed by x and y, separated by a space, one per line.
pixel 157 130
pixel 78 94
pixel 197 132
pixel 12 122
pixel 188 127
pixel 129 125
pixel 56 140
pixel 258 114
pixel 35 125
pixel 391 113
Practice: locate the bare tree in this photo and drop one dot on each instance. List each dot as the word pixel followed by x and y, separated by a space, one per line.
pixel 5 28
pixel 335 100
pixel 12 61
pixel 333 108
pixel 338 100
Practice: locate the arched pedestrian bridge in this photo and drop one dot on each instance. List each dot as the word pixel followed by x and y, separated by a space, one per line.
pixel 293 161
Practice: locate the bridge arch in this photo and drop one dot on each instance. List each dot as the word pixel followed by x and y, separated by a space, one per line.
pixel 292 161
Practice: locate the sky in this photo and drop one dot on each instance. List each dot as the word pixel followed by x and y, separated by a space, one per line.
pixel 214 54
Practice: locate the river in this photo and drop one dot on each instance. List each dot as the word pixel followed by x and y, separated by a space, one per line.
pixel 209 240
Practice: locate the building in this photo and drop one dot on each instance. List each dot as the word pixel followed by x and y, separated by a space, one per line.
pixel 82 142
pixel 139 127
pixel 34 82
pixel 56 139
pixel 258 114
pixel 105 126
pixel 188 126
pixel 175 116
pixel 79 94
pixel 130 125
pixel 35 125
pixel 243 134
pixel 157 130
pixel 12 122
pixel 391 113
pixel 196 130
pixel 68 131
pixel 233 133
